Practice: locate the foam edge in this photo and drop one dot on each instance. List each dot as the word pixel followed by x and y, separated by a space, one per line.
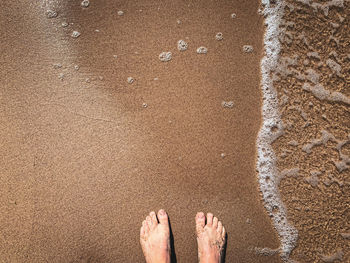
pixel 271 128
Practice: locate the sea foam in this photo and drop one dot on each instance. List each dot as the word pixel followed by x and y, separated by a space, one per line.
pixel 272 127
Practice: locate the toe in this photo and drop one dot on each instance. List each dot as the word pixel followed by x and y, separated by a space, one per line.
pixel 153 218
pixel 215 222
pixel 219 229
pixel 149 222
pixel 163 217
pixel 200 222
pixel 209 219
pixel 142 232
pixel 145 227
pixel 223 235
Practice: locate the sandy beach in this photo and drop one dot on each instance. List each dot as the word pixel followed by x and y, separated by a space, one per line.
pixel 112 109
pixel 86 154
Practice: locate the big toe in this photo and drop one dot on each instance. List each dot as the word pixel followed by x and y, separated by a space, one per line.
pixel 163 217
pixel 200 222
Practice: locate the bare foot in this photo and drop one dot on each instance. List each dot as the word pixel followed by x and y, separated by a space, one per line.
pixel 155 238
pixel 210 238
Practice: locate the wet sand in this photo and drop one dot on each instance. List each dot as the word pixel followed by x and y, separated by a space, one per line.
pixel 83 160
pixel 312 82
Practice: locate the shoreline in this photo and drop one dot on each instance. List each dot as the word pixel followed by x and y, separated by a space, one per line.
pixel 271 129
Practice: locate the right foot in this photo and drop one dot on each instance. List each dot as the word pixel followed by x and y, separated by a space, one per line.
pixel 155 238
pixel 210 237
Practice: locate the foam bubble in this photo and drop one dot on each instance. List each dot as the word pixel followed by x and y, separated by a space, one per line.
pixel 248 49
pixel 130 80
pixel 182 45
pixel 85 3
pixel 51 13
pixel 76 34
pixel 57 65
pixel 120 13
pixel 165 56
pixel 202 50
pixel 227 104
pixel 64 24
pixel 219 36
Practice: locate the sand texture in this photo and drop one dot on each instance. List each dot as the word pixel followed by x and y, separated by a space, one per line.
pixel 313 148
pixel 98 127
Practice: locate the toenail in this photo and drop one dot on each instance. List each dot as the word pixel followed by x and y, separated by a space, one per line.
pixel 162 212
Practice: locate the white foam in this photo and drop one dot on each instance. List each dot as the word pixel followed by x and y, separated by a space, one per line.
pixel 266 159
pixel 165 56
pixel 219 36
pixel 227 104
pixel 182 45
pixel 248 49
pixel 323 94
pixel 76 34
pixel 202 50
pixel 51 13
pixel 85 3
pixel 130 80
pixel 338 255
pixel 324 6
pixel 334 66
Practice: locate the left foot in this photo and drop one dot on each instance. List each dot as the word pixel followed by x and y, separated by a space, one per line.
pixel 155 238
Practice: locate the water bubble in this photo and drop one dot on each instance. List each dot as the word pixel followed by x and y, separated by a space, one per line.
pixel 144 105
pixel 233 15
pixel 61 76
pixel 97 30
pixel 51 14
pixel 130 80
pixel 64 24
pixel 219 36
pixel 178 21
pixel 182 45
pixel 202 50
pixel 165 56
pixel 222 155
pixel 85 3
pixel 227 104
pixel 248 49
pixel 115 56
pixel 57 65
pixel 120 13
pixel 155 78
pixel 76 67
pixel 76 34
